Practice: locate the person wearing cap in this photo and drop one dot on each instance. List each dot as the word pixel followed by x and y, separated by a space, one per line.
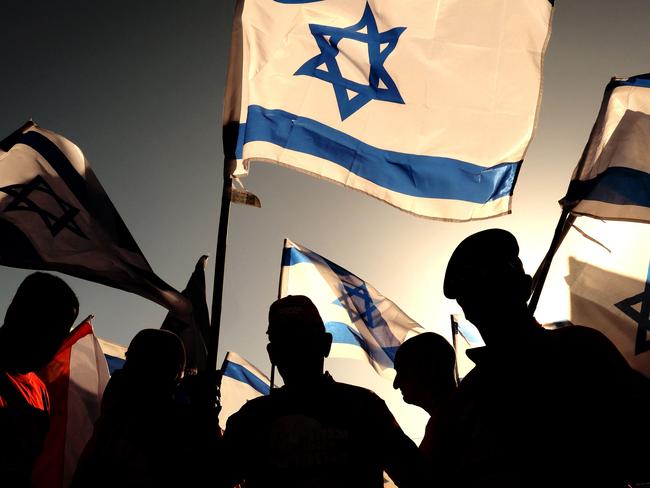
pixel 424 367
pixel 541 408
pixel 314 431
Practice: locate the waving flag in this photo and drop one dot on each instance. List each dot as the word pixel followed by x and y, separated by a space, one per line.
pixel 240 382
pixel 615 304
pixel 364 324
pixel 429 106
pixel 193 331
pixel 115 354
pixel 612 180
pixel 75 380
pixel 55 215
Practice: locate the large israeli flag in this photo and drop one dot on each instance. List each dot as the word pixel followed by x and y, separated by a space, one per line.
pixel 364 324
pixel 427 105
pixel 240 382
pixel 612 180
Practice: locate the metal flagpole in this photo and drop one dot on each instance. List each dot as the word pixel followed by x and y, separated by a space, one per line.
pixel 219 271
pixel 561 229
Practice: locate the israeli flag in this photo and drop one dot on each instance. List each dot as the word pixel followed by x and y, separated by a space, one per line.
pixel 427 105
pixel 240 382
pixel 114 353
pixel 364 324
pixel 612 180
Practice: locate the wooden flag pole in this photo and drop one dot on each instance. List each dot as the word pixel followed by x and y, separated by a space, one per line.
pixel 219 273
pixel 561 229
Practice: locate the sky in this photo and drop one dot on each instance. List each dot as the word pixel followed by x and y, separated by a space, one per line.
pixel 138 86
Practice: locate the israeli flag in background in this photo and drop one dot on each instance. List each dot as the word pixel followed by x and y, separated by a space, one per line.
pixel 612 180
pixel 364 324
pixel 240 382
pixel 427 105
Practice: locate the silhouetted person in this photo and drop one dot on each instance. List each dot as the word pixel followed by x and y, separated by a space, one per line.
pixel 541 408
pixel 314 432
pixel 143 438
pixel 37 320
pixel 425 375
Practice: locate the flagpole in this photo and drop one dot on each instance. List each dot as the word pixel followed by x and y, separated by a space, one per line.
pixel 284 246
pixel 561 229
pixel 219 273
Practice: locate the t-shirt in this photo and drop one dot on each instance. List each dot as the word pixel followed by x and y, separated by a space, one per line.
pixel 332 435
pixel 24 421
pixel 556 408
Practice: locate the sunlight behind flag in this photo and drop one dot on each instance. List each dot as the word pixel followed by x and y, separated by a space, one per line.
pixel 240 382
pixel 364 324
pixel 612 179
pixel 428 106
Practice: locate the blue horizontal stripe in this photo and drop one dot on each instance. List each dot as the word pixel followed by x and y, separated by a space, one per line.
pixel 344 334
pixel 114 363
pixel 638 80
pixel 239 373
pixel 616 185
pixel 410 174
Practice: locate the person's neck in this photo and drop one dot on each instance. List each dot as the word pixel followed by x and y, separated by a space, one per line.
pixel 510 330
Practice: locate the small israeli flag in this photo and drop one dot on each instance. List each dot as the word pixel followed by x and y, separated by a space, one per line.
pixel 427 105
pixel 240 382
pixel 364 324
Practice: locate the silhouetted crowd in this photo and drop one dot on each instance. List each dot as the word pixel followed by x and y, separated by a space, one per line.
pixel 541 408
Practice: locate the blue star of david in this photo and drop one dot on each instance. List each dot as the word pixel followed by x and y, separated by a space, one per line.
pixel 377 56
pixel 22 202
pixel 641 318
pixel 360 304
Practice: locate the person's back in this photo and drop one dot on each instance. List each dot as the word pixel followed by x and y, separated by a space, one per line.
pixel 314 432
pixel 142 438
pixel 37 320
pixel 541 408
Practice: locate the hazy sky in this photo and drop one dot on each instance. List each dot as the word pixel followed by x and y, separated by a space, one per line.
pixel 138 85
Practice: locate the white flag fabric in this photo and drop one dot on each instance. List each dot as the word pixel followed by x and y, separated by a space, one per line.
pixel 55 215
pixel 612 179
pixel 240 382
pixel 465 336
pixel 427 105
pixel 364 324
pixel 75 380
pixel 114 353
pixel 618 305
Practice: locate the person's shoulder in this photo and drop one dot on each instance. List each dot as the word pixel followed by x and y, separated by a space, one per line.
pixel 354 391
pixel 581 336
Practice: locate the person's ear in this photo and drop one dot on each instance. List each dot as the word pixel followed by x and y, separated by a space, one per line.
pixel 327 344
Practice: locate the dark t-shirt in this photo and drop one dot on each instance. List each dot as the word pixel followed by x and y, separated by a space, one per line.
pixel 558 408
pixel 334 435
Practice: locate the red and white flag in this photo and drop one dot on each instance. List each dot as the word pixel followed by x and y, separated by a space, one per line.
pixel 75 380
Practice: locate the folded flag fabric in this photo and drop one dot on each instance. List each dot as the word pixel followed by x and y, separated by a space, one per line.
pixel 616 304
pixel 240 382
pixel 55 215
pixel 429 106
pixel 612 179
pixel 465 336
pixel 364 324
pixel 193 331
pixel 75 380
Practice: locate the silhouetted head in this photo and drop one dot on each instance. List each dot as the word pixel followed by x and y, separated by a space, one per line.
pixel 39 317
pixel 298 343
pixel 425 370
pixel 157 357
pixel 487 278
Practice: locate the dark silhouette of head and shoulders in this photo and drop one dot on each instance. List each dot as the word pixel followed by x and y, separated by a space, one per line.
pixel 314 431
pixel 541 408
